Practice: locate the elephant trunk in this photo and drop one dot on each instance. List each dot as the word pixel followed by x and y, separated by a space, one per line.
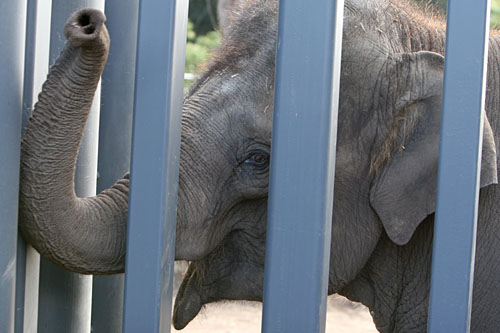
pixel 85 235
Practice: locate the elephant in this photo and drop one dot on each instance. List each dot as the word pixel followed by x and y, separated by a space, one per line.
pixel 385 180
pixel 386 172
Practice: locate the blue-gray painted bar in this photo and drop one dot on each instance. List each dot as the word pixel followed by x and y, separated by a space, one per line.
pixel 29 60
pixel 12 36
pixel 155 165
pixel 36 69
pixel 117 92
pixel 20 284
pixel 65 298
pixel 302 166
pixel 115 133
pixel 29 73
pixel 40 69
pixel 460 151
pixel 28 260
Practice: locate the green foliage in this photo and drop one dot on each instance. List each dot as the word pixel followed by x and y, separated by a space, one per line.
pixel 199 47
pixel 191 35
pixel 198 50
pixel 495 13
pixel 211 40
pixel 203 13
pixel 443 4
pixel 195 55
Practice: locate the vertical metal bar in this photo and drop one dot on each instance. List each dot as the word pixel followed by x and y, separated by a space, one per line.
pixel 29 64
pixel 12 37
pixel 302 167
pixel 30 311
pixel 459 166
pixel 65 298
pixel 155 165
pixel 20 284
pixel 115 133
pixel 40 70
pixel 35 71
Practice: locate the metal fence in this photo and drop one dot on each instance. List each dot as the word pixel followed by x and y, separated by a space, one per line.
pixel 62 303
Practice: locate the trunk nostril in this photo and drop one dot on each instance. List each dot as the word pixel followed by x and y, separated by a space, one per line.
pixel 89 30
pixel 85 28
pixel 83 20
pixel 85 24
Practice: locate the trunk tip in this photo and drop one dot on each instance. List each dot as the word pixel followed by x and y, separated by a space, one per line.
pixel 84 26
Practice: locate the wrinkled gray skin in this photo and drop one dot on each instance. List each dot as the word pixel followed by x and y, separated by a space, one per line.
pixel 385 180
pixel 386 169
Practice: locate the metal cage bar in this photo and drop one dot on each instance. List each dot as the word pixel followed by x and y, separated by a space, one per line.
pixel 115 137
pixel 12 37
pixel 459 166
pixel 155 165
pixel 302 166
pixel 36 66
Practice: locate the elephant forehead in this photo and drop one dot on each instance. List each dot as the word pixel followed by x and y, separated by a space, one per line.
pixel 237 100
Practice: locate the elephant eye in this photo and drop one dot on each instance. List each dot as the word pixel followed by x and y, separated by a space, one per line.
pixel 258 159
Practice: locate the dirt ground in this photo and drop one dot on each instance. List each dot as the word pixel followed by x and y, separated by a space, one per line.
pixel 343 316
pixel 236 317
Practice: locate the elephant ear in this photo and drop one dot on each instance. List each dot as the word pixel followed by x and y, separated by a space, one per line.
pixel 404 191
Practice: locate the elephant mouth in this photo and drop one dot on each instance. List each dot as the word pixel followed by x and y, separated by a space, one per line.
pixel 188 301
pixel 196 290
pixel 226 273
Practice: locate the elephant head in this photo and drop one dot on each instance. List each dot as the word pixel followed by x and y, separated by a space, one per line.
pixel 386 166
pixel 223 164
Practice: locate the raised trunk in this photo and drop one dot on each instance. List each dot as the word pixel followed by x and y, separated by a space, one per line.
pixel 85 235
